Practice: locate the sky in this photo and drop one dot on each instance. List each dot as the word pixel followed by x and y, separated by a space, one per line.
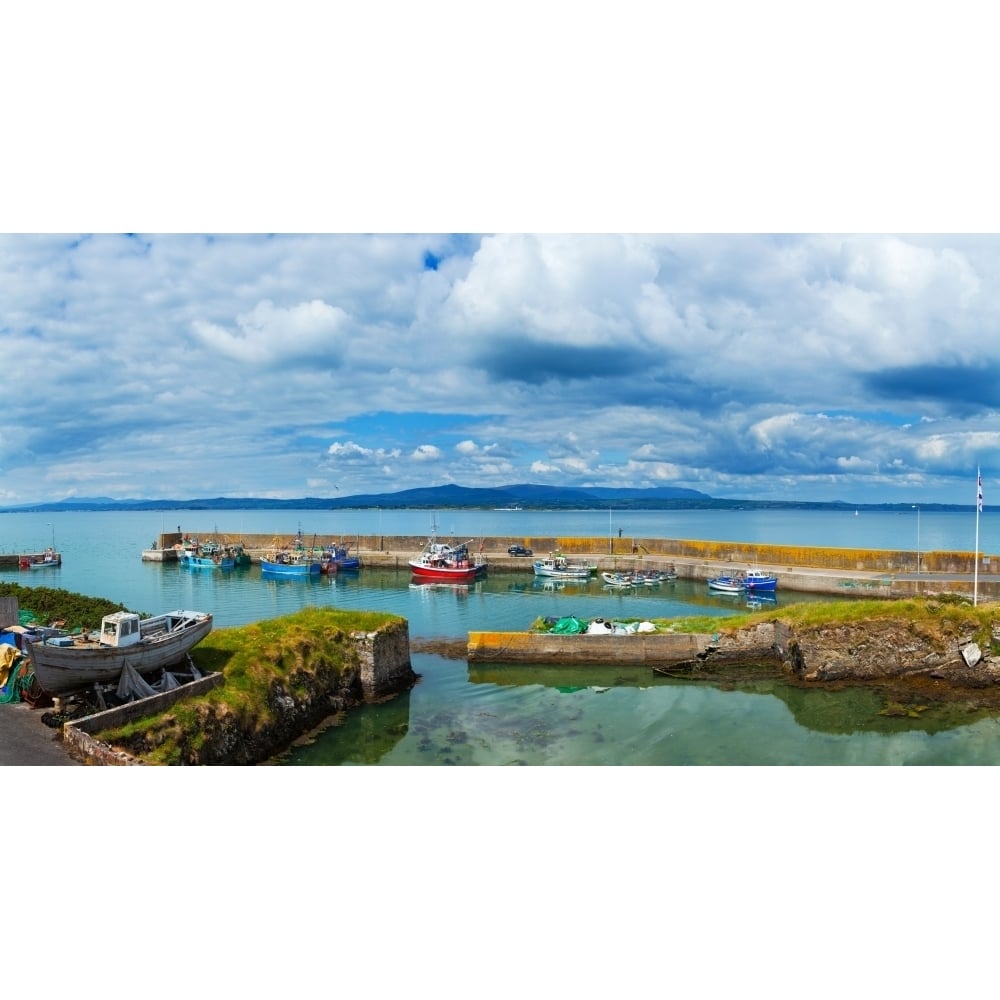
pixel 858 368
pixel 674 254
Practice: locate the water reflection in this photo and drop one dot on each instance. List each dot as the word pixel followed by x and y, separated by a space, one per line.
pixel 460 715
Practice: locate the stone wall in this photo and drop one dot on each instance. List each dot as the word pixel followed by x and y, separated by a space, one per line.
pixel 384 658
pixel 77 733
pixel 573 650
pixel 380 667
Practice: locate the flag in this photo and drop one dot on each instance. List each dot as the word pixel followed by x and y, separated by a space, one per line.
pixel 979 494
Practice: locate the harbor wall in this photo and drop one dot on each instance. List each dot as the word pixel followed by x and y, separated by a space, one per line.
pixel 626 553
pixel 544 647
pixel 77 733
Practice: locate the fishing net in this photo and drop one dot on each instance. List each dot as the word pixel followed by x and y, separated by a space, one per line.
pixel 18 682
pixel 569 626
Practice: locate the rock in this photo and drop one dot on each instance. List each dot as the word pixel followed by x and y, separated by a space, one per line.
pixel 972 654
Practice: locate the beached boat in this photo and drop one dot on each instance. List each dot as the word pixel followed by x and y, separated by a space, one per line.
pixel 440 561
pixel 560 568
pixel 65 662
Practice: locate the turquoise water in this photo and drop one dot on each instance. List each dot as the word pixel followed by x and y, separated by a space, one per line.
pixel 468 715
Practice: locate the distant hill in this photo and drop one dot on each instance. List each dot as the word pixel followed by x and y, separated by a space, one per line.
pixel 530 496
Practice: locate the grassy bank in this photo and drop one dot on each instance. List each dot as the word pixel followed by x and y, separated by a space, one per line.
pixel 279 674
pixel 947 614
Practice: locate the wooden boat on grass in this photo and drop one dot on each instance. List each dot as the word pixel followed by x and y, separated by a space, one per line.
pixel 65 662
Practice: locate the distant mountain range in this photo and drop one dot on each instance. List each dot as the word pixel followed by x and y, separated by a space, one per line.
pixel 530 496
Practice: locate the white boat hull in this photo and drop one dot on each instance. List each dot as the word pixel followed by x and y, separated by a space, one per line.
pixel 86 662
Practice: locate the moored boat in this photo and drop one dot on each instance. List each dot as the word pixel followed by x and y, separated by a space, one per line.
pixel 440 561
pixel 732 583
pixel 559 567
pixel 336 558
pixel 757 579
pixel 65 662
pixel 290 563
pixel 49 559
pixel 219 559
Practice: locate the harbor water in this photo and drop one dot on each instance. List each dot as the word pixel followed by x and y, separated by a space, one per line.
pixel 462 714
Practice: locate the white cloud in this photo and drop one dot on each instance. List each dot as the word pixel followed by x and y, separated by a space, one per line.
pixel 271 335
pixel 193 365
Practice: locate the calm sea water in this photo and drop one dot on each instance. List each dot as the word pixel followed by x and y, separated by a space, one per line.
pixel 462 714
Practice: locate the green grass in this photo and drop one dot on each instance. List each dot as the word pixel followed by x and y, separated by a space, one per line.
pixel 289 653
pixel 945 615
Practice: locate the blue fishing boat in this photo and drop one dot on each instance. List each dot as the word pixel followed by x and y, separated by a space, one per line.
pixel 757 580
pixel 295 560
pixel 336 559
pixel 197 559
pixel 290 563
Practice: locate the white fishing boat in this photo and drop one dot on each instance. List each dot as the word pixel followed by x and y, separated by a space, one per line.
pixel 559 567
pixel 65 662
pixel 728 584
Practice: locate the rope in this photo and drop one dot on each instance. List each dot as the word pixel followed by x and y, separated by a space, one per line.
pixel 17 684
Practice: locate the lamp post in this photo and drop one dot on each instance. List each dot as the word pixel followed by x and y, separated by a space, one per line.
pixel 916 507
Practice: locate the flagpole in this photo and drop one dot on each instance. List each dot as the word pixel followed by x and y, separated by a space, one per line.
pixel 979 508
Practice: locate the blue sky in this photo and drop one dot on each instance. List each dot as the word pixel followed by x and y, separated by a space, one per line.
pixel 699 267
pixel 817 367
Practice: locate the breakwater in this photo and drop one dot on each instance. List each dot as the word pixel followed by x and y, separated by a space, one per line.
pixel 842 571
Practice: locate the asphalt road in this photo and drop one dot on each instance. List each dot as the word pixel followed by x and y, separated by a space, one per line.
pixel 26 740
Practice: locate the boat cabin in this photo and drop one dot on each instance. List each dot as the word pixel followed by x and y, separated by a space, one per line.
pixel 120 629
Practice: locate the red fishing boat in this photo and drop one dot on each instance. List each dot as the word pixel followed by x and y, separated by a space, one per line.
pixel 440 561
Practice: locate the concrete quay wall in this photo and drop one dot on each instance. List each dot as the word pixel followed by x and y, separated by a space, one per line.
pixel 840 571
pixel 543 647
